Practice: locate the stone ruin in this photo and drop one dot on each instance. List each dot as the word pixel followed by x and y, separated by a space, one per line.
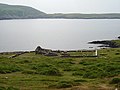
pixel 46 52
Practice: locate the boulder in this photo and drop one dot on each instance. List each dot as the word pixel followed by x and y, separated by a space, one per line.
pixel 38 50
pixel 42 51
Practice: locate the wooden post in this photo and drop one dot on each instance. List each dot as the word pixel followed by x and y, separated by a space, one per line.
pixel 96 52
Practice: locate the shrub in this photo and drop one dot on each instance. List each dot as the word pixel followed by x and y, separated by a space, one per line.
pixel 78 73
pixel 115 81
pixel 67 84
pixel 90 75
pixel 12 88
pixel 64 84
pixel 46 69
pixel 67 68
pixel 39 66
pixel 80 80
pixel 85 63
pixel 2 88
pixel 25 61
pixel 102 70
pixel 9 68
pixel 117 53
pixel 9 88
pixel 50 71
pixel 112 70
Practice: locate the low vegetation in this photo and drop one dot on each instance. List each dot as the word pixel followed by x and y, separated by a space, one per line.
pixel 32 71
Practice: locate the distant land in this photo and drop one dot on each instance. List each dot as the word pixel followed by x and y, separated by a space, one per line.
pixel 25 12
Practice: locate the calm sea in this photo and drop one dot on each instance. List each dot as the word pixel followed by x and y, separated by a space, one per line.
pixel 62 34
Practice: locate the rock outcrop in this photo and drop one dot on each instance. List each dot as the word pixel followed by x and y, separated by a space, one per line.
pixel 106 43
pixel 39 50
pixel 51 54
pixel 46 52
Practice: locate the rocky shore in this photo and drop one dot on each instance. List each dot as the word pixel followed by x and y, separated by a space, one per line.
pixel 119 37
pixel 107 43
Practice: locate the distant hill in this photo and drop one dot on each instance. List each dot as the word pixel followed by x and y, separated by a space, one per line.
pixel 87 16
pixel 25 12
pixel 19 12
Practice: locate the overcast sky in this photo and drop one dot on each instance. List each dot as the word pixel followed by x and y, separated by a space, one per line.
pixel 70 6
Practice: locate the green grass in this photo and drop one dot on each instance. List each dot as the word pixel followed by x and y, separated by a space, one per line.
pixel 117 42
pixel 37 72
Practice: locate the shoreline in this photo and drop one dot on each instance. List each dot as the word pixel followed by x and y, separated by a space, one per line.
pixel 104 44
pixel 60 18
pixel 107 43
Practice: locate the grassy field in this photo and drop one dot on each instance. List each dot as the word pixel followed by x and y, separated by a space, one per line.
pixel 36 72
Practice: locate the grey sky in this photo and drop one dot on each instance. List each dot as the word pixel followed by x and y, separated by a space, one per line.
pixel 68 6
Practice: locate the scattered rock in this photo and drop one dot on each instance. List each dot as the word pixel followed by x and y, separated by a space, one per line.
pixel 51 54
pixel 65 54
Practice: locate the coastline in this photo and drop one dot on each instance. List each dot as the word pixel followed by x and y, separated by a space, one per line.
pixel 57 18
pixel 107 43
pixel 103 44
